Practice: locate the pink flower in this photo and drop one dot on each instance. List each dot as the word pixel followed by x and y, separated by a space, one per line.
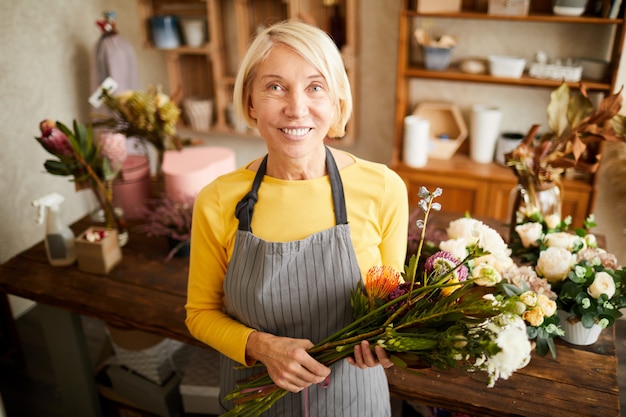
pixel 442 262
pixel 113 147
pixel 53 140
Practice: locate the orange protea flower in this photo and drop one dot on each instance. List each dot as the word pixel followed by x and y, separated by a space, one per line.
pixel 380 281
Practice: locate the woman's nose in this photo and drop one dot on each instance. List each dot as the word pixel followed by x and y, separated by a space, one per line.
pixel 297 105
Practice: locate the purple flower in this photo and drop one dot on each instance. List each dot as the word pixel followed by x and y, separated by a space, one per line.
pixel 442 262
pixel 53 140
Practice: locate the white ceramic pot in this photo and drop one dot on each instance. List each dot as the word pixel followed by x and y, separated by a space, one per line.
pixel 569 7
pixel 575 333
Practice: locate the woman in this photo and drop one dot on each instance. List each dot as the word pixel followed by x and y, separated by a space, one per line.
pixel 273 259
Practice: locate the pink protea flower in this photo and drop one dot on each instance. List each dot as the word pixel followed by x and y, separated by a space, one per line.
pixel 113 147
pixel 53 140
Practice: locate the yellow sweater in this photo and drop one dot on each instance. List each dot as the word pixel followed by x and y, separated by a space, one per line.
pixel 377 206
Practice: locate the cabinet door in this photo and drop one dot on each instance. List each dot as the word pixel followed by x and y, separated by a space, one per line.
pixel 460 195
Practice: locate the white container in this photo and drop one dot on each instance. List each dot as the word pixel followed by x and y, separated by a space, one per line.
pixel 438 6
pixel 506 66
pixel 575 332
pixel 507 142
pixel 508 7
pixel 194 31
pixel 416 141
pixel 484 132
pixel 569 7
pixel 593 69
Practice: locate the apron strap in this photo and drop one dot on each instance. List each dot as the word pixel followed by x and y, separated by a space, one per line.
pixel 245 207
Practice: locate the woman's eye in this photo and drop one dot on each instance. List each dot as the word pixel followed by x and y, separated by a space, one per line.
pixel 317 88
pixel 275 87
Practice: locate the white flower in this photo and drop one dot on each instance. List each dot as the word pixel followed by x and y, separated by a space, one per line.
pixel 491 241
pixel 555 263
pixel 591 241
pixel 552 220
pixel 571 242
pixel 602 284
pixel 463 228
pixel 486 275
pixel 515 354
pixel 530 233
pixel 457 247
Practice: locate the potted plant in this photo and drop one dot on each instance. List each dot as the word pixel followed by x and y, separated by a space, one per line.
pixel 170 218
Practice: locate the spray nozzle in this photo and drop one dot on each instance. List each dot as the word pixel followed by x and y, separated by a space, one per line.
pixel 52 200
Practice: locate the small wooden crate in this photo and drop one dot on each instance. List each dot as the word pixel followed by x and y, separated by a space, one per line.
pixel 98 257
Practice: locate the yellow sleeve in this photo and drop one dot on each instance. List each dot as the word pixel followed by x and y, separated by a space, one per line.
pixel 211 234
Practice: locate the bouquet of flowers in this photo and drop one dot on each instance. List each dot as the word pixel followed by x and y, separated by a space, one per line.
pixel 539 306
pixel 91 165
pixel 590 284
pixel 446 313
pixel 149 115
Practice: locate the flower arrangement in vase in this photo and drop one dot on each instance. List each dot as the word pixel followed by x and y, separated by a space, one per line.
pixel 92 165
pixel 589 283
pixel 574 140
pixel 170 218
pixel 148 115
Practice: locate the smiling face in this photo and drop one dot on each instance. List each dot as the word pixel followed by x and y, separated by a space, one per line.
pixel 291 103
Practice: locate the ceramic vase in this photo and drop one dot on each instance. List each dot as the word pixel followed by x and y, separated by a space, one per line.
pixel 575 332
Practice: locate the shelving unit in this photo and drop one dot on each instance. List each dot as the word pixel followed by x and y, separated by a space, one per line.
pixel 483 189
pixel 209 71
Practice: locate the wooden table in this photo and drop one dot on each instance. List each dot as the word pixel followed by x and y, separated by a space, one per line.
pixel 146 293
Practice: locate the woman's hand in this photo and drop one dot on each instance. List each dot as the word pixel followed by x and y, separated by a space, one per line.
pixel 365 358
pixel 287 361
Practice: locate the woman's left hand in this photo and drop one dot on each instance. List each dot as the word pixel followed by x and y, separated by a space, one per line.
pixel 364 357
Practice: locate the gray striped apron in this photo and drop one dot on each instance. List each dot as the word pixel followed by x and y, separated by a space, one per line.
pixel 301 289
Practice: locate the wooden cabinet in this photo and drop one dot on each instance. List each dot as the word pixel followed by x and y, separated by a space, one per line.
pixel 209 71
pixel 483 189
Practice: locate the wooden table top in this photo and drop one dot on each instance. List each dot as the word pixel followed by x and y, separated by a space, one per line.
pixel 146 293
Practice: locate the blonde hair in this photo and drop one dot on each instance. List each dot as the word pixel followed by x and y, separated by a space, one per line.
pixel 312 44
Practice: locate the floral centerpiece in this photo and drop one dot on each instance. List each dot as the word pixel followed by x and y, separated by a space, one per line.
pixel 148 115
pixel 576 132
pixel 169 218
pixel 590 284
pixel 445 313
pixel 92 165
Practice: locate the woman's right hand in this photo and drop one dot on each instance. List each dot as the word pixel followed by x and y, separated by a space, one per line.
pixel 287 361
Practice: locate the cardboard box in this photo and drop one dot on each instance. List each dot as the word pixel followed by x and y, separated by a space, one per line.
pixel 98 257
pixel 200 386
pixel 438 6
pixel 447 128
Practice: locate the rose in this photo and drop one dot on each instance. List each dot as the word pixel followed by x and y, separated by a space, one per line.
pixel 564 240
pixel 486 275
pixel 534 316
pixel 530 233
pixel 602 284
pixel 546 304
pixel 552 220
pixel 555 263
pixel 491 241
pixel 529 298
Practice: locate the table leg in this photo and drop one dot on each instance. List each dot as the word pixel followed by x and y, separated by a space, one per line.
pixel 67 347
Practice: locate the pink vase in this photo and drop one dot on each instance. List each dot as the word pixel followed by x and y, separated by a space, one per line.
pixel 132 188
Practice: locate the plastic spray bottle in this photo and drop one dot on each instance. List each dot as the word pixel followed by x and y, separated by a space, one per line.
pixel 59 241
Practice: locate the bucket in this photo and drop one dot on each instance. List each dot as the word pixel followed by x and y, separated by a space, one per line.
pixel 132 189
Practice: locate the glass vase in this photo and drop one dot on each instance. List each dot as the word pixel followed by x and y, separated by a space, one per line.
pixel 535 202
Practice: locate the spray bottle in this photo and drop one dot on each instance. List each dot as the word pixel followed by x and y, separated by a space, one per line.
pixel 59 240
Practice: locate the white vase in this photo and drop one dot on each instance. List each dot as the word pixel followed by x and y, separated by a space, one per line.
pixel 575 332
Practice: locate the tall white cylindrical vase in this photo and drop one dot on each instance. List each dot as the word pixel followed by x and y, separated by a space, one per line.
pixel 484 132
pixel 416 141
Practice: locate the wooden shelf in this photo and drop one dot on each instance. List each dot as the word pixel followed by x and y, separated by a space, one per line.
pixel 483 189
pixel 209 71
